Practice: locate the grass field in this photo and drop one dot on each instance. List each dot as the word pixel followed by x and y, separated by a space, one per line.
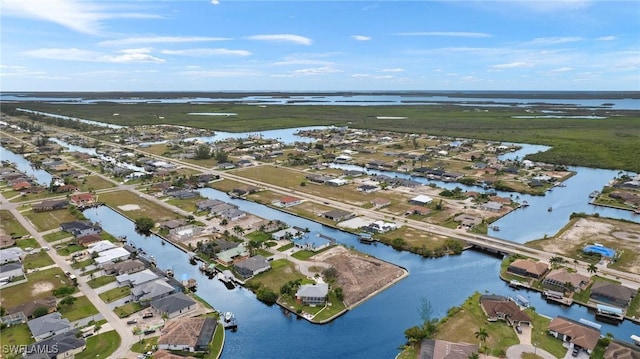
pixel 9 225
pixel 37 260
pixel 127 309
pixel 147 208
pixel 115 294
pixel 81 308
pixel 94 183
pixel 100 281
pixel 609 143
pixel 281 272
pixel 56 236
pixel 40 284
pixel 100 346
pixel 15 335
pixel 44 221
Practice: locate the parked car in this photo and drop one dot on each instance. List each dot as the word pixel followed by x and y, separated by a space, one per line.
pixel 149 331
pixel 518 329
pixel 132 321
pixel 147 315
pixel 575 352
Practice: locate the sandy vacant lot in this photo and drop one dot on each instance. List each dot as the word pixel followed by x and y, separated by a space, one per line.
pixel 621 236
pixel 360 275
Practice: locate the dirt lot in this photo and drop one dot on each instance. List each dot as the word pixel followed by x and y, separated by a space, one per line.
pixel 624 237
pixel 360 275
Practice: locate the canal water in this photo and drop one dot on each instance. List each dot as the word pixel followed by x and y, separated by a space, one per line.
pixel 375 329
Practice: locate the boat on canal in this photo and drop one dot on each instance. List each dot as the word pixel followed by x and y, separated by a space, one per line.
pixel 635 339
pixel 228 320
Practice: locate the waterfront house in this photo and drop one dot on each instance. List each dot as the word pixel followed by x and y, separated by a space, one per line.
pixel 48 326
pixel 287 201
pixel 228 257
pixel 172 224
pixel 184 232
pixel 621 350
pixel 208 204
pixel 574 334
pixel 187 334
pixel 153 290
pixel 123 267
pixel 491 206
pixel 287 233
pixel 312 294
pixel 221 208
pixel 337 215
pixel 562 280
pixel 528 268
pixel 28 308
pixel 80 228
pixel 501 308
pixel 89 240
pixel 467 221
pixel 612 294
pixel 233 214
pixel 173 305
pixel 312 241
pixel 112 255
pixel 101 246
pixel 65 345
pixel 10 271
pixel 137 278
pixel 50 205
pixel 440 349
pixel 249 267
pixel 82 200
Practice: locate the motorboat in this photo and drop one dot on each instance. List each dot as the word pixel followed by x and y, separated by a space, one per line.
pixel 228 320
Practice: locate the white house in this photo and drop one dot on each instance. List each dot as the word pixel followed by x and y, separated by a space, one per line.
pixel 421 200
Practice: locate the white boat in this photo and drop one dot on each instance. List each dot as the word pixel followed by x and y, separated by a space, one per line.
pixel 635 339
pixel 228 320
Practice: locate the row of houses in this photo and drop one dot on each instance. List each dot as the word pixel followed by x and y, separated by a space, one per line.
pixel 564 280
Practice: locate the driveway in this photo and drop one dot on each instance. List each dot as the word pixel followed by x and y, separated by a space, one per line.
pixel 516 351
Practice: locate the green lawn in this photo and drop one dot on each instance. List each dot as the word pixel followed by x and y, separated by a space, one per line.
pixel 27 243
pixel 83 264
pixel 69 249
pixel 145 345
pixel 100 346
pixel 303 255
pixel 100 281
pixel 45 221
pixel 281 272
pixel 82 308
pixel 128 309
pixel 10 225
pixel 147 208
pixel 40 284
pixel 56 236
pixel 115 294
pixel 37 260
pixel 16 335
pixel 541 337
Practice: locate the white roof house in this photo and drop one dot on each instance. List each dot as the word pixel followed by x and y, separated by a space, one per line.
pixel 312 294
pixel 12 254
pixel 112 255
pixel 136 278
pixel 421 199
pixel 101 246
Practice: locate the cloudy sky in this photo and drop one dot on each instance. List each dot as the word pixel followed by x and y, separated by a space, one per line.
pixel 205 45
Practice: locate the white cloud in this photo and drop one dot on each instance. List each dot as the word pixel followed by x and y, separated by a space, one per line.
pixel 317 71
pixel 392 70
pixel 511 65
pixel 552 6
pixel 554 40
pixel 73 54
pixel 215 2
pixel 302 61
pixel 161 40
pixel 80 16
pixel 561 69
pixel 219 73
pixel 374 77
pixel 296 39
pixel 132 56
pixel 207 52
pixel 606 38
pixel 361 37
pixel 445 33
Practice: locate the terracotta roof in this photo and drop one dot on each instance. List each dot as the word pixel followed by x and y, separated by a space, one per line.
pixel 537 268
pixel 181 331
pixel 619 351
pixel 164 354
pixel 581 335
pixel 561 275
pixel 506 307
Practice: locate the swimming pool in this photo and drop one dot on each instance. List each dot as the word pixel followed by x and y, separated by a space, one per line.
pixel 603 251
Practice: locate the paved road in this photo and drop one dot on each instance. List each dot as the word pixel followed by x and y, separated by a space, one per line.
pixel 127 340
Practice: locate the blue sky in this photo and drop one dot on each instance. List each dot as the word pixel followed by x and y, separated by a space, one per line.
pixel 230 45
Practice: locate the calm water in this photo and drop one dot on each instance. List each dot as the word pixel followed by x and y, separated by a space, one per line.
pixel 477 99
pixel 41 176
pixel 372 330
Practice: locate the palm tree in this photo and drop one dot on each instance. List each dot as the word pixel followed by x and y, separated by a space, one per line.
pixel 555 261
pixel 482 335
pixel 474 355
pixel 592 268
